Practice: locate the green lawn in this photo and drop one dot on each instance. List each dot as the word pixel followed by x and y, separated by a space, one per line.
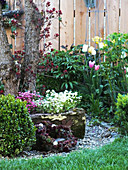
pixel 109 157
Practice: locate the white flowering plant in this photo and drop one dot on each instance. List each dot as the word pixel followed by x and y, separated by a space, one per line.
pixel 58 102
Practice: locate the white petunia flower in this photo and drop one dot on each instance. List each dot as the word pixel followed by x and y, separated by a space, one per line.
pixel 93 52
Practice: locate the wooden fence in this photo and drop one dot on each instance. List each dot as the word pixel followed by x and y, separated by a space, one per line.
pixel 80 23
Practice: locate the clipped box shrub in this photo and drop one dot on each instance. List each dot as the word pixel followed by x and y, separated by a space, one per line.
pixel 121 114
pixel 17 132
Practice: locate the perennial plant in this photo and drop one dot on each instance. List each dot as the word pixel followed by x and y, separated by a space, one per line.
pixel 30 98
pixel 58 102
pixel 98 74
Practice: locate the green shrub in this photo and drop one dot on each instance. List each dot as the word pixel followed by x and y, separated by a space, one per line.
pixel 121 114
pixel 17 131
pixel 60 70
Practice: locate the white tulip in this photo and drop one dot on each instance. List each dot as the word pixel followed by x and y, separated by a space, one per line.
pixel 101 45
pixel 85 48
pixel 93 52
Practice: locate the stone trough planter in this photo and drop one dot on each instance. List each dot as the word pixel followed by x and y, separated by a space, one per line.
pixel 75 119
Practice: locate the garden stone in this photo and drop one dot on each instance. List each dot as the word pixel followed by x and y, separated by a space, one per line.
pixel 59 139
pixel 75 119
pixel 106 134
pixel 113 134
pixel 106 125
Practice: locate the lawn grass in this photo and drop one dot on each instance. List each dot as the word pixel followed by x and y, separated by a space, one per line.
pixel 110 157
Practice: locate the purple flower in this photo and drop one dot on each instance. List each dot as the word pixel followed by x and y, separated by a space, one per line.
pixel 30 98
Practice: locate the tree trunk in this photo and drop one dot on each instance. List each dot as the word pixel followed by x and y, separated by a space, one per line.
pixel 7 75
pixel 32 35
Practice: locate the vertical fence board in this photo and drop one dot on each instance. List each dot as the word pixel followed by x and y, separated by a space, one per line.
pixel 100 19
pixel 17 44
pixel 55 26
pixel 97 20
pixel 20 39
pixel 80 22
pixel 93 23
pixel 124 16
pixel 113 15
pixel 10 40
pixel 66 29
pixel 8 30
pixel 40 5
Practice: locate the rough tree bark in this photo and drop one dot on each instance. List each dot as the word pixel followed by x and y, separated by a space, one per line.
pixel 27 80
pixel 7 76
pixel 32 35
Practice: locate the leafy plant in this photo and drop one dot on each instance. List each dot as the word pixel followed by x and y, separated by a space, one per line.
pixel 30 98
pixel 17 132
pixel 121 114
pixel 101 87
pixel 58 102
pixel 51 137
pixel 60 70
pixel 113 69
pixel 98 74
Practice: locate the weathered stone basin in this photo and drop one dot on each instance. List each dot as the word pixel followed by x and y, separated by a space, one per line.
pixel 75 119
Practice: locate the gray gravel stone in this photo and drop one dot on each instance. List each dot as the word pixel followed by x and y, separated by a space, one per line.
pixel 97 135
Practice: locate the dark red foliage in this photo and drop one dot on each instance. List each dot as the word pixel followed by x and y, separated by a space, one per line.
pixel 47 133
pixel 1 91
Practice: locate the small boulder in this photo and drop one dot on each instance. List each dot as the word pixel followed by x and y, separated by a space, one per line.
pixel 74 119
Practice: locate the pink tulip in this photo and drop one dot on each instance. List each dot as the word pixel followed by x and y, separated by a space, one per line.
pixel 91 63
pixel 97 67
